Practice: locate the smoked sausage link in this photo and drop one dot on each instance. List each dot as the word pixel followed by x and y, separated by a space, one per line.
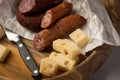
pixel 45 37
pixel 30 22
pixel 56 13
pixel 36 6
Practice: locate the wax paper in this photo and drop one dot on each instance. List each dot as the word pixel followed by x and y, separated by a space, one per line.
pixel 98 28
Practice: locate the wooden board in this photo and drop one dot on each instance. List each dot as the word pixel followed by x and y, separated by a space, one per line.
pixel 14 68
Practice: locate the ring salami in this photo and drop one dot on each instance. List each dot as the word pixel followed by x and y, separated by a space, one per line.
pixel 30 22
pixel 56 13
pixel 36 6
pixel 45 37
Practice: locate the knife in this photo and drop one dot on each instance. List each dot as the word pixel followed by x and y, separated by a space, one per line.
pixel 24 53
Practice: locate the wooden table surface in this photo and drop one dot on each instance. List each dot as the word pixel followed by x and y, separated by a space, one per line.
pixel 14 67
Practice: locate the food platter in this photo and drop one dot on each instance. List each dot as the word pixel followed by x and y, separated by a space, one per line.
pixel 82 71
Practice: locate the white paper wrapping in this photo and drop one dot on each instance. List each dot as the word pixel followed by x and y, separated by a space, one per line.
pixel 99 27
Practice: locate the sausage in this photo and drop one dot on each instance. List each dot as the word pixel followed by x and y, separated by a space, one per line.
pixel 36 6
pixel 45 37
pixel 30 22
pixel 56 13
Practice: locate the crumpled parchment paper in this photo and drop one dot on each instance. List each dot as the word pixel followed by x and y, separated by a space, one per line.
pixel 99 27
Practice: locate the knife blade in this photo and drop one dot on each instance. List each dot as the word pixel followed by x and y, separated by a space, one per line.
pixel 24 53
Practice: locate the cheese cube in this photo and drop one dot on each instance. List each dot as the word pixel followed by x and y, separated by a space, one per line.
pixel 79 37
pixel 49 67
pixel 1 32
pixel 66 47
pixel 3 53
pixel 65 62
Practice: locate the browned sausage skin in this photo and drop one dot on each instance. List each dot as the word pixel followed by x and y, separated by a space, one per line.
pixel 56 13
pixel 36 6
pixel 30 22
pixel 45 37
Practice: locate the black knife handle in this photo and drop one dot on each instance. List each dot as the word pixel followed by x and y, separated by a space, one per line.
pixel 27 58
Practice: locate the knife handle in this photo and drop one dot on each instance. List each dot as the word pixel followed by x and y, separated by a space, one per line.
pixel 27 58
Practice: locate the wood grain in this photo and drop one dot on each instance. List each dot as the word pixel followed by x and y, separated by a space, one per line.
pixel 113 9
pixel 14 68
